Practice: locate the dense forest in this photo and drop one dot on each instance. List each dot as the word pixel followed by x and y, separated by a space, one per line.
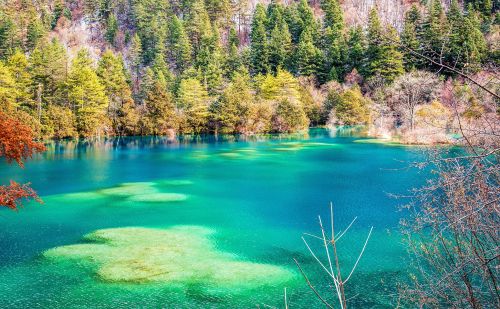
pixel 152 67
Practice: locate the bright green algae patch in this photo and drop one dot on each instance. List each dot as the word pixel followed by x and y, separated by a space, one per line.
pixel 153 192
pixel 182 255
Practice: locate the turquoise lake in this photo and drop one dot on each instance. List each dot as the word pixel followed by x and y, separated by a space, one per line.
pixel 210 222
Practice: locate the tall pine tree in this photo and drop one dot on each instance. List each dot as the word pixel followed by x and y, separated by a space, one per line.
pixel 259 48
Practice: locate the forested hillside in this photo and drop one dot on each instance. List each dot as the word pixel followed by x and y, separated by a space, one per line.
pixel 141 67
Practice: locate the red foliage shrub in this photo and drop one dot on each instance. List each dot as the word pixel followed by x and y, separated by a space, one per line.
pixel 11 196
pixel 16 144
pixel 16 140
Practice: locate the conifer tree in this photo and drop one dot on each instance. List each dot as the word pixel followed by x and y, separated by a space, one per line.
pixel 161 70
pixel 210 61
pixel 111 28
pixel 219 11
pixel 59 10
pixel 233 59
pixel 308 56
pixel 150 17
pixel 410 37
pixel 7 35
pixel 48 68
pixel 259 48
pixel 87 96
pixel 434 31
pixel 384 58
pixel 160 112
pixel 179 46
pixel 232 110
pixel 357 49
pixel 111 71
pixel 198 24
pixel 307 17
pixel 474 46
pixel 334 17
pixel 280 47
pixel 135 55
pixel 294 22
pixel 274 15
pixel 192 105
pixel 8 91
pixel 19 68
pixel 35 33
pixel 334 39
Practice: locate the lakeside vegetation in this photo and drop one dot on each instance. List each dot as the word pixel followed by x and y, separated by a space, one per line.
pixel 164 67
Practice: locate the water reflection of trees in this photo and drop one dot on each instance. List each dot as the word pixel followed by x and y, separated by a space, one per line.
pixel 92 147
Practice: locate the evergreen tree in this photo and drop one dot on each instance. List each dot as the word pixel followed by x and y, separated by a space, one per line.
pixel 308 56
pixel 357 50
pixel 198 24
pixel 111 73
pixel 48 68
pixel 8 91
pixel 280 47
pixel 150 18
pixel 7 35
pixel 384 58
pixel 135 55
pixel 210 61
pixel 232 110
pixel 87 96
pixel 294 22
pixel 274 15
pixel 35 33
pixel 19 68
pixel 219 11
pixel 334 17
pixel 179 46
pixel 410 38
pixel 160 112
pixel 283 86
pixel 192 105
pixel 474 46
pixel 334 39
pixel 233 59
pixel 161 71
pixel 57 13
pixel 111 29
pixel 259 48
pixel 434 31
pixel 307 17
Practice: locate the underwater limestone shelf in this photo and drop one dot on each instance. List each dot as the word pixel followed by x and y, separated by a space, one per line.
pixel 158 197
pixel 182 255
pixel 146 191
pixel 295 146
pixel 381 141
pixel 136 193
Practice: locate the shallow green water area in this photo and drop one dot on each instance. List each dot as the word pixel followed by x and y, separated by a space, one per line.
pixel 210 222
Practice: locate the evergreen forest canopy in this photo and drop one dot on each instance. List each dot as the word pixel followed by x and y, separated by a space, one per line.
pixel 216 66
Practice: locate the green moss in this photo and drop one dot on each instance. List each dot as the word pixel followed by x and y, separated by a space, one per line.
pixel 182 255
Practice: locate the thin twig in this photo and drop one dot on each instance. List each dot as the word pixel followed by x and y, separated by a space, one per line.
pixel 311 286
pixel 359 256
